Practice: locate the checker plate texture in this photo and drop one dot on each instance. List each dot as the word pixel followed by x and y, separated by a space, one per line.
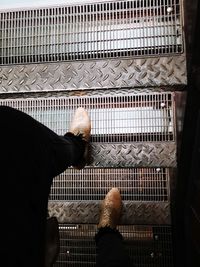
pixel 100 74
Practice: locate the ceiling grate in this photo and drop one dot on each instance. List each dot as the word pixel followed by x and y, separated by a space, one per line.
pixel 91 31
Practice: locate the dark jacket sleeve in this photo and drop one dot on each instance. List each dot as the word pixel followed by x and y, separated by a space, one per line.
pixel 66 151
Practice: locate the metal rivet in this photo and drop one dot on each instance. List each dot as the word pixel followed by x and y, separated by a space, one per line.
pixel 169 9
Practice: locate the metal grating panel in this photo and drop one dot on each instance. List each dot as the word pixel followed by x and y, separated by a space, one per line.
pixel 122 118
pixel 136 184
pixel 91 31
pixel 148 246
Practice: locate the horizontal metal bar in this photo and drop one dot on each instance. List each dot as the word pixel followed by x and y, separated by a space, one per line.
pixel 133 212
pixel 98 74
pixel 152 154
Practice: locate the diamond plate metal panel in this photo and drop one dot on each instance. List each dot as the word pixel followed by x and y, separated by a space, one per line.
pixel 133 212
pixel 162 154
pixel 99 74
pixel 96 93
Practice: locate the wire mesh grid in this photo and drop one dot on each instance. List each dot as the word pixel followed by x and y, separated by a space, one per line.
pixel 135 184
pixel 91 31
pixel 146 245
pixel 122 118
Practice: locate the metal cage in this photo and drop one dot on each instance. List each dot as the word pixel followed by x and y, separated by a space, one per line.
pixel 91 31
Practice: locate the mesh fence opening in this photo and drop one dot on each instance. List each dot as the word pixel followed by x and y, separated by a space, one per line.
pixel 91 31
pixel 136 184
pixel 115 118
pixel 148 246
